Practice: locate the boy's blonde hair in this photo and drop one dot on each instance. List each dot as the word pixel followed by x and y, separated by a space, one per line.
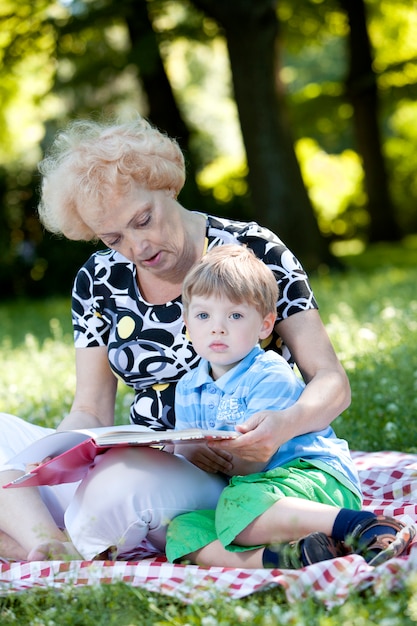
pixel 232 271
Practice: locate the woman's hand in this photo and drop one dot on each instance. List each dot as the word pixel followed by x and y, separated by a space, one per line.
pixel 260 439
pixel 32 466
pixel 207 459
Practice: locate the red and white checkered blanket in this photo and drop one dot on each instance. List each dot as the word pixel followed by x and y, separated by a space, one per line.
pixel 389 481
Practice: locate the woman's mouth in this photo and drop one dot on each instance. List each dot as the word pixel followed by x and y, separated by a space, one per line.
pixel 152 261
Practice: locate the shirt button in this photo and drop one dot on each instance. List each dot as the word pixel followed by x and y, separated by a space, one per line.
pixel 212 390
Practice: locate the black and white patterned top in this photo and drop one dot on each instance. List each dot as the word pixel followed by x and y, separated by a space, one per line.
pixel 147 344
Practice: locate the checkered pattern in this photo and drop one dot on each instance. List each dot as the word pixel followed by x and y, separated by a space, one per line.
pixel 389 481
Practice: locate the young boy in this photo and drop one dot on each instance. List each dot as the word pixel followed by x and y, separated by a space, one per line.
pixel 309 488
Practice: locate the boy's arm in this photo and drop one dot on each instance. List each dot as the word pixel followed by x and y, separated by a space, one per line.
pixel 187 415
pixel 274 387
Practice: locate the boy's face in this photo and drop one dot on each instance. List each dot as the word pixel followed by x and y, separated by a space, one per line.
pixel 224 332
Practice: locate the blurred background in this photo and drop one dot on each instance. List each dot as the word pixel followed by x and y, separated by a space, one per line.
pixel 299 114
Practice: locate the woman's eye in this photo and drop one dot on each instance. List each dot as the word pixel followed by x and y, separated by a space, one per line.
pixel 112 243
pixel 143 223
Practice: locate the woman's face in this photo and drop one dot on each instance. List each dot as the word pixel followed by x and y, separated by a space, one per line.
pixel 150 229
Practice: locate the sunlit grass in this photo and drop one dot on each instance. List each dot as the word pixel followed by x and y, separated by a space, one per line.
pixel 371 317
pixel 37 362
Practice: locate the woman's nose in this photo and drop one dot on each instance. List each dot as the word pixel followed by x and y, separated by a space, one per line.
pixel 135 247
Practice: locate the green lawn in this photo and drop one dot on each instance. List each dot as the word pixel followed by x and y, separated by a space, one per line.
pixel 371 315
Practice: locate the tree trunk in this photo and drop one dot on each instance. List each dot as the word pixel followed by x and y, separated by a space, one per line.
pixel 278 193
pixel 362 92
pixel 163 109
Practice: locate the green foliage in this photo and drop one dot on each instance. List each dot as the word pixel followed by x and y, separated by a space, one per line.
pixel 106 605
pixel 32 263
pixel 69 59
pixel 315 67
pixel 370 312
pixel 402 159
pixel 38 367
pixel 27 46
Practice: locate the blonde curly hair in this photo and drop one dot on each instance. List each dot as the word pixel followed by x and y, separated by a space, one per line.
pixel 89 161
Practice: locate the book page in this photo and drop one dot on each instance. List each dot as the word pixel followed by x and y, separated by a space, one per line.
pixel 50 446
pixel 149 437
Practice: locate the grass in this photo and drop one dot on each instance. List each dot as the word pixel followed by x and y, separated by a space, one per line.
pixel 370 312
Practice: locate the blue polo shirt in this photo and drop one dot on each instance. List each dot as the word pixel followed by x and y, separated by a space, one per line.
pixel 261 381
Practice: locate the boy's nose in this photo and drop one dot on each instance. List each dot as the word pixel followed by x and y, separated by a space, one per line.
pixel 217 330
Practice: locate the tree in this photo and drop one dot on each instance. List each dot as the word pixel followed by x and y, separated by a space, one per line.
pixel 362 91
pixel 280 200
pixel 163 108
pixel 279 196
pixel 107 56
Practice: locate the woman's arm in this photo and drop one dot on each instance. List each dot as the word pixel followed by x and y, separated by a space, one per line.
pixel 326 395
pixel 95 392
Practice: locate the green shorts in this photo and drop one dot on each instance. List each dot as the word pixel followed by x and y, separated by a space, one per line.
pixel 246 498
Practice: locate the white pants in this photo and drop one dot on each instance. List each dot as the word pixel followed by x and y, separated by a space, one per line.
pixel 130 495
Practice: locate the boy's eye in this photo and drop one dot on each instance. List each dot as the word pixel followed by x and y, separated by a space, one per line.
pixel 202 316
pixel 236 316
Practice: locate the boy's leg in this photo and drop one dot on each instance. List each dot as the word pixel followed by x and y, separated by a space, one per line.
pixel 254 511
pixel 378 539
pixel 287 520
pixel 214 554
pixel 280 505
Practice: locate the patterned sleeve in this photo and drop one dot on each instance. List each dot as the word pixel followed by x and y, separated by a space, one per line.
pixel 295 292
pixel 91 329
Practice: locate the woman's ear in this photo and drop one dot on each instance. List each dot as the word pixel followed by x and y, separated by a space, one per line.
pixel 267 325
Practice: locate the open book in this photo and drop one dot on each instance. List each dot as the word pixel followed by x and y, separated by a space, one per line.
pixel 70 453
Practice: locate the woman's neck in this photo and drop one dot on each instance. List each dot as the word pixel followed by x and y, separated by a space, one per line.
pixel 162 289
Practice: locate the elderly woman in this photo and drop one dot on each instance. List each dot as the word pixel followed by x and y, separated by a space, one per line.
pixel 119 183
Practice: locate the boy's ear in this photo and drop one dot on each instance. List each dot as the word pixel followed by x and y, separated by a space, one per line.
pixel 267 325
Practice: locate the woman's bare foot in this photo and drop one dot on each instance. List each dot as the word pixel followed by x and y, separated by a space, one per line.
pixel 10 550
pixel 54 551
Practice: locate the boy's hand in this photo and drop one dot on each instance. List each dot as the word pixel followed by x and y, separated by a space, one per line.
pixel 207 459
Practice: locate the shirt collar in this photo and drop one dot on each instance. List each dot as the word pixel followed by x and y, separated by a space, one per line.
pixel 232 377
